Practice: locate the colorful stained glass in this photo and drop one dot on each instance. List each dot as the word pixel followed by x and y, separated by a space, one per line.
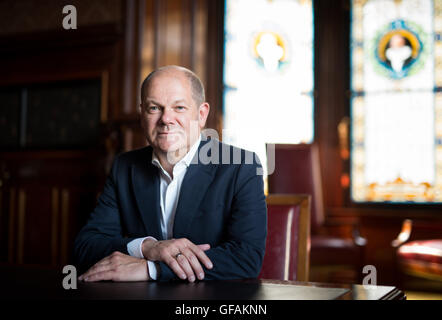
pixel 396 104
pixel 268 73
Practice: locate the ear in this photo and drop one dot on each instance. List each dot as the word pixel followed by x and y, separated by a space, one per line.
pixel 203 113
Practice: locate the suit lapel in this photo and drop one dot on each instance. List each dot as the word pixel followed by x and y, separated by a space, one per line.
pixel 194 187
pixel 146 186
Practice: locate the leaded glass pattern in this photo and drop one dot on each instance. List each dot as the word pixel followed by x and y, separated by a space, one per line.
pixel 396 102
pixel 268 73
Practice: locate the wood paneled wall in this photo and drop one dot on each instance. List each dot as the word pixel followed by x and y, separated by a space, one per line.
pixel 31 16
pixel 44 202
pixel 47 195
pixel 175 33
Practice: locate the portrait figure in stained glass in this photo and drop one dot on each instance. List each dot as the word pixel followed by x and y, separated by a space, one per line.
pixel 398 52
pixel 270 50
pixel 398 48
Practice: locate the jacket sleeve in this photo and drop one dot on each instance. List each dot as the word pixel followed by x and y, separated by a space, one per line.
pixel 242 253
pixel 102 234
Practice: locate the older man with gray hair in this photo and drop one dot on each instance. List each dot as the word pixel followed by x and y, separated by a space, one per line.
pixel 163 214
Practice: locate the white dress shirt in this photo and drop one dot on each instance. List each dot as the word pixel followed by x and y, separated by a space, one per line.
pixel 169 194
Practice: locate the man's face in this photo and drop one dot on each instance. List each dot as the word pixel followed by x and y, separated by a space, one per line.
pixel 170 118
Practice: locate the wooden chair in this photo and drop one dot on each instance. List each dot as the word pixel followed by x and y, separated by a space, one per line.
pixel 419 255
pixel 297 171
pixel 288 238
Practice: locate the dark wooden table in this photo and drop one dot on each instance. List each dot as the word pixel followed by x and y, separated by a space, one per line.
pixel 40 283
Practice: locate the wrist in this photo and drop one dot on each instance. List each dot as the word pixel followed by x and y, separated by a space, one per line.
pixel 146 245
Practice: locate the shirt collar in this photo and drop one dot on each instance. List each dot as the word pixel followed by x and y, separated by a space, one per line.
pixel 186 160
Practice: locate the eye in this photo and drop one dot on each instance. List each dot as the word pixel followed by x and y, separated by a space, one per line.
pixel 152 109
pixel 180 108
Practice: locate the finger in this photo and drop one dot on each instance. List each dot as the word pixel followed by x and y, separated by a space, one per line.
pixel 176 268
pixel 185 265
pixel 96 269
pixel 202 256
pixel 204 247
pixel 194 263
pixel 103 265
pixel 99 276
pixel 106 261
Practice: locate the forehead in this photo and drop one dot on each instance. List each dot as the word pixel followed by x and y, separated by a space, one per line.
pixel 170 82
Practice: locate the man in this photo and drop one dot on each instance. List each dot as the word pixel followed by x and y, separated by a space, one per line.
pixel 190 218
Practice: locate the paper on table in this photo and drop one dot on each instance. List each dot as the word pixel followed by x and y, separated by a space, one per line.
pixel 293 292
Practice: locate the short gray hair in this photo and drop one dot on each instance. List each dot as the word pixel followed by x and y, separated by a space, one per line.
pixel 196 85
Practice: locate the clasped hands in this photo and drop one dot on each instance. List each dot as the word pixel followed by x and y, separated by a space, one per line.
pixel 181 255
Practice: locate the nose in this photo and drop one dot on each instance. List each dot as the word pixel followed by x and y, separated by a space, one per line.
pixel 167 116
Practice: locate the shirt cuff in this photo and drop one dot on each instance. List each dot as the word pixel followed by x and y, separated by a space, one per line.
pixel 153 270
pixel 134 250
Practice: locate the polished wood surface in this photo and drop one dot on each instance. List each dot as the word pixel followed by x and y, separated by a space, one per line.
pixel 39 283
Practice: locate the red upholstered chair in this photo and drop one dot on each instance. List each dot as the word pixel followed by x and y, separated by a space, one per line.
pixel 297 170
pixel 420 261
pixel 287 246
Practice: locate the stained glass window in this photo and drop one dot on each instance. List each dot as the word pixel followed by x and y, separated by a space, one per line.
pixel 396 103
pixel 268 73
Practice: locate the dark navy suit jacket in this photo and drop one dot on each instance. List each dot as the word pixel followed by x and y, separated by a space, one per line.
pixel 219 204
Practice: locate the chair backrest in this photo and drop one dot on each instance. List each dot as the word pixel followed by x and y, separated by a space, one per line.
pixel 287 253
pixel 297 171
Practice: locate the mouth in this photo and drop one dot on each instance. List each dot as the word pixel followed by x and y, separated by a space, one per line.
pixel 169 134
